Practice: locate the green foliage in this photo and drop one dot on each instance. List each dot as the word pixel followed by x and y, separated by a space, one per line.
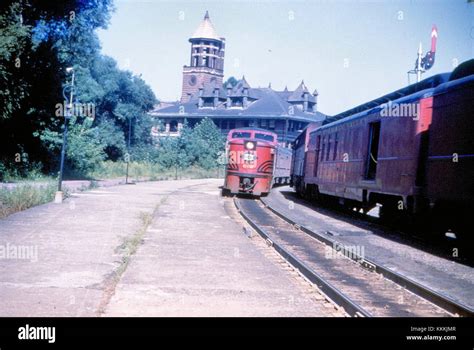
pixel 197 148
pixel 120 98
pixel 174 154
pixel 231 82
pixel 84 148
pixel 142 170
pixel 200 147
pixel 26 196
pixel 48 37
pixel 207 143
pixel 113 138
pixel 146 154
pixel 13 38
pixel 3 172
pixel 22 170
pixel 38 40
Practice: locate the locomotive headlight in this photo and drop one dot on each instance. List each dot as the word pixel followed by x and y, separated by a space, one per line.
pixel 249 145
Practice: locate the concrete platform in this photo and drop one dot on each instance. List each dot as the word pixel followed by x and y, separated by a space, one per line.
pixel 69 249
pixel 63 259
pixel 196 261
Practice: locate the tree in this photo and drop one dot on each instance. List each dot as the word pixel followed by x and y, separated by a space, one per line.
pixel 174 154
pixel 207 143
pixel 200 146
pixel 85 150
pixel 231 82
pixel 13 38
pixel 38 40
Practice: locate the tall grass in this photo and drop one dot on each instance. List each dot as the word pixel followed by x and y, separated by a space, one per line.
pixel 25 196
pixel 150 171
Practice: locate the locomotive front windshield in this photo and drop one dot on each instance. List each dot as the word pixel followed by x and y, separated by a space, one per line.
pixel 248 135
pixel 240 135
pixel 264 137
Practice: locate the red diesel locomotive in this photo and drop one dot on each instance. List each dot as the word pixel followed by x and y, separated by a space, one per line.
pixel 255 162
pixel 411 152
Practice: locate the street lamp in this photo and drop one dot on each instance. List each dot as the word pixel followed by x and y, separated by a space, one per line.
pixel 129 142
pixel 127 158
pixel 67 115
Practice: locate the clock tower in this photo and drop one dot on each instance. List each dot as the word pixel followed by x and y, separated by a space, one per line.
pixel 206 60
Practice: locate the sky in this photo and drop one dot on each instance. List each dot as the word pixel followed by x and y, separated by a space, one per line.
pixel 351 51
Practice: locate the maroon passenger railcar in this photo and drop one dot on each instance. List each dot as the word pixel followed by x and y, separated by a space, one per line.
pixel 300 151
pixel 411 151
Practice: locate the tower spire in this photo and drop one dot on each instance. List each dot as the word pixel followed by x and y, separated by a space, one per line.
pixel 206 61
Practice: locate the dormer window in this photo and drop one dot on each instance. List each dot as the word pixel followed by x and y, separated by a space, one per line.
pixel 237 102
pixel 208 102
pixel 298 106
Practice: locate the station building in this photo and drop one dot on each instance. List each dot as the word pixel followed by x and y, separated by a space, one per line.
pixel 204 95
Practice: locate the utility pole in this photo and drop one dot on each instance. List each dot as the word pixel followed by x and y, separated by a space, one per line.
pixel 67 115
pixel 128 146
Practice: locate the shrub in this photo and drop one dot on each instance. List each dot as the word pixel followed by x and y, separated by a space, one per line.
pixel 22 197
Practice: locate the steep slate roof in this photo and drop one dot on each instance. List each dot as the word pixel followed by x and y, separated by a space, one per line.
pixel 238 90
pixel 298 94
pixel 268 103
pixel 208 91
pixel 206 30
pixel 242 84
pixel 285 94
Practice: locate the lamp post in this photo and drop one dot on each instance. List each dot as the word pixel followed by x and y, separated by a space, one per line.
pixel 67 115
pixel 128 145
pixel 127 158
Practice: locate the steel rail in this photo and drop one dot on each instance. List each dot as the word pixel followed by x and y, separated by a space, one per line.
pixel 440 300
pixel 351 307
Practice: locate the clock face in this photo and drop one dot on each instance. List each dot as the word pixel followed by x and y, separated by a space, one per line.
pixel 192 80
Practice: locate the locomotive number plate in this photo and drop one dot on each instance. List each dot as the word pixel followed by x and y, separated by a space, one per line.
pixel 249 157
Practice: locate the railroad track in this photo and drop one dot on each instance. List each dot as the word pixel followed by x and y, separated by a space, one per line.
pixel 360 286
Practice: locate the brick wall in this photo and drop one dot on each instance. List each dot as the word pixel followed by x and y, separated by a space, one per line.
pixel 203 77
